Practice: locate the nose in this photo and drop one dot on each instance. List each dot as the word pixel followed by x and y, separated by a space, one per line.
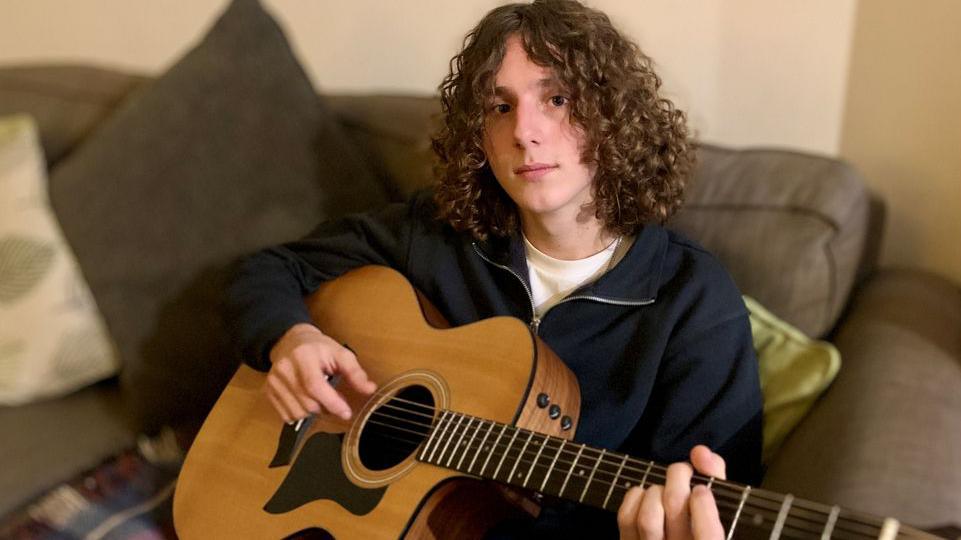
pixel 528 124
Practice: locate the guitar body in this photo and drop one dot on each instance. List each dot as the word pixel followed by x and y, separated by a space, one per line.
pixel 248 475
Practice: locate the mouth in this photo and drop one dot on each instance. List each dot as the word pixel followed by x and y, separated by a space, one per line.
pixel 534 170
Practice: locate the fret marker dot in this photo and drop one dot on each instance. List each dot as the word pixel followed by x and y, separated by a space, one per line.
pixel 758 520
pixel 580 472
pixel 519 475
pixel 627 484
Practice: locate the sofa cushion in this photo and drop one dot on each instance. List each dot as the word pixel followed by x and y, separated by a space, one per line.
pixel 790 227
pixel 49 441
pixel 67 101
pixel 52 337
pixel 228 151
pixel 394 131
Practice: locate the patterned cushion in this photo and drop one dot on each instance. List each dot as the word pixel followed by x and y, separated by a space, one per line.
pixel 52 338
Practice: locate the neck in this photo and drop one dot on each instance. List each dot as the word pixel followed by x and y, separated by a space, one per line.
pixel 599 478
pixel 566 240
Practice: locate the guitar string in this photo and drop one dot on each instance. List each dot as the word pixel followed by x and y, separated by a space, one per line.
pixel 771 514
pixel 853 518
pixel 728 507
pixel 774 499
pixel 769 511
pixel 727 510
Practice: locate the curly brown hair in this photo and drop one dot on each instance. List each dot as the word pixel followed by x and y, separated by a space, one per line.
pixel 637 139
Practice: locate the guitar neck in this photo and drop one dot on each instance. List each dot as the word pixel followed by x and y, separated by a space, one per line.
pixel 600 478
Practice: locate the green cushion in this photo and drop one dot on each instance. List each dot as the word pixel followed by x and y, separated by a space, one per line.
pixel 794 369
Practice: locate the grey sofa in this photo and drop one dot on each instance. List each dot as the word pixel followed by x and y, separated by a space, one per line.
pixel 799 232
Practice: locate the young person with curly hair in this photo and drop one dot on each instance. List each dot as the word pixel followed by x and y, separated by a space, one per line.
pixel 558 163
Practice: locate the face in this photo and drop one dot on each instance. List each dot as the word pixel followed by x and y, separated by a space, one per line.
pixel 530 143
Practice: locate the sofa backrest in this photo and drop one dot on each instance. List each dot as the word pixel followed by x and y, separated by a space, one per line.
pixel 795 230
pixel 792 228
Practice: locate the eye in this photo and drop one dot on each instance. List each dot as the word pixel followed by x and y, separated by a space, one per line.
pixel 501 108
pixel 559 101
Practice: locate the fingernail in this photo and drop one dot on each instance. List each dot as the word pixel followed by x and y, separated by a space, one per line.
pixel 345 414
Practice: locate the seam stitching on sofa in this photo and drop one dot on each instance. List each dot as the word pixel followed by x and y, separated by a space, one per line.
pixel 764 208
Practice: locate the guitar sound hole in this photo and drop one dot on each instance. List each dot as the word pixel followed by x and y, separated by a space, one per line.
pixel 396 428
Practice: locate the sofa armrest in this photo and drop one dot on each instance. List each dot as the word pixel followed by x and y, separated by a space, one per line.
pixel 885 437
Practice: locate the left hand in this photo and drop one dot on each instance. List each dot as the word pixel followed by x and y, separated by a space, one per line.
pixel 675 511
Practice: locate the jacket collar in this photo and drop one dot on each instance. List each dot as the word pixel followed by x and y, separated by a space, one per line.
pixel 635 279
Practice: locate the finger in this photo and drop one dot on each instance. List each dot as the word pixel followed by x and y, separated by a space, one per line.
pixel 331 400
pixel 708 463
pixel 350 370
pixel 650 518
pixel 677 491
pixel 627 513
pixel 290 374
pixel 705 521
pixel 278 389
pixel 311 378
pixel 277 405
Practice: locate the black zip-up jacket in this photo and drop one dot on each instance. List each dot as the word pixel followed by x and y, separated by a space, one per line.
pixel 660 344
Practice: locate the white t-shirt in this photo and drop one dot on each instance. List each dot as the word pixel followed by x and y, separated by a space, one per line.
pixel 553 279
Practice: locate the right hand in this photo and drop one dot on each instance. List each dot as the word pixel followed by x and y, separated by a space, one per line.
pixel 302 359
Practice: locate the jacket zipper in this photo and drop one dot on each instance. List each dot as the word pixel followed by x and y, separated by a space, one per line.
pixel 535 320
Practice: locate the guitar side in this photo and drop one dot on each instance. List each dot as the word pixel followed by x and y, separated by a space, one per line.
pixel 491 369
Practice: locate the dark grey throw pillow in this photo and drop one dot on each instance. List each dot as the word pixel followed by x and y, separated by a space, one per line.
pixel 229 151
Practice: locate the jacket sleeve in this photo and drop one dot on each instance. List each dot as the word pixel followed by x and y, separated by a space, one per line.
pixel 266 296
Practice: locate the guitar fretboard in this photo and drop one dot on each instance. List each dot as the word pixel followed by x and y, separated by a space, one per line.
pixel 600 478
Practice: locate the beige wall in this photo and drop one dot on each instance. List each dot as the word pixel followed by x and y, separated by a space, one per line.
pixel 747 71
pixel 902 127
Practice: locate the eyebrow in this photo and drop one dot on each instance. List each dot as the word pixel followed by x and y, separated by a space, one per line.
pixel 548 82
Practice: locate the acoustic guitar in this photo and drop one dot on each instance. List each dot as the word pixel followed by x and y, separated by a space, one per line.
pixel 458 413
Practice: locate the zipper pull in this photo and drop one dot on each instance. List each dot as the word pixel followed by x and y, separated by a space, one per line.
pixel 535 323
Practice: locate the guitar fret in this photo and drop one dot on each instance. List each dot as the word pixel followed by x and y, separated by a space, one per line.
pixel 460 418
pixel 518 460
pixel 480 447
pixel 832 519
pixel 647 471
pixel 503 457
pixel 737 515
pixel 494 444
pixel 591 477
pixel 781 516
pixel 551 468
pixel 433 440
pixel 534 465
pixel 457 445
pixel 617 478
pixel 568 477
pixel 467 446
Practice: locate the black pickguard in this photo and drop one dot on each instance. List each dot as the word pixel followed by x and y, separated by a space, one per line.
pixel 317 475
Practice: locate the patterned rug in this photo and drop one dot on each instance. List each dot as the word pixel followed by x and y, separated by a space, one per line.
pixel 127 497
